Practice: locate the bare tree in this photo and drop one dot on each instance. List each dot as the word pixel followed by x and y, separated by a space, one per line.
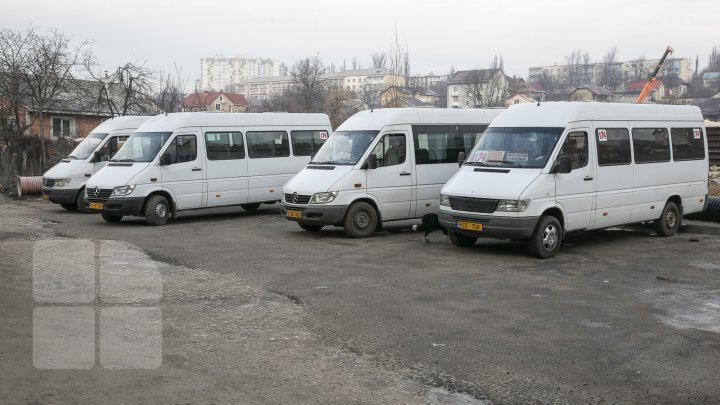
pixel 399 61
pixel 713 64
pixel 497 62
pixel 577 68
pixel 308 86
pixel 340 104
pixel 379 60
pixel 639 69
pixel 610 76
pixel 14 57
pixel 486 88
pixel 171 90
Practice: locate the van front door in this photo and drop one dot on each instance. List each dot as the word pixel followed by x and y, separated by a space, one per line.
pixel 575 191
pixel 184 176
pixel 391 182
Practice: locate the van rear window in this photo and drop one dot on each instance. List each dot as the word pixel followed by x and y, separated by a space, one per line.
pixel 651 145
pixel 613 146
pixel 688 144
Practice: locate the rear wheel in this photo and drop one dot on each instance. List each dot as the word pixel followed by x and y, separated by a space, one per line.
pixel 669 221
pixel 111 218
pixel 250 207
pixel 462 240
pixel 310 228
pixel 360 220
pixel 547 238
pixel 157 210
pixel 69 207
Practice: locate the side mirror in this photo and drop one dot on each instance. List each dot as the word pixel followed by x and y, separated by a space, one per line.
pixel 372 162
pixel 564 164
pixel 461 158
pixel 97 156
pixel 165 159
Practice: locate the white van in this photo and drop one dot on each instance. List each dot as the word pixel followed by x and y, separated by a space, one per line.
pixel 382 165
pixel 545 169
pixel 64 183
pixel 186 161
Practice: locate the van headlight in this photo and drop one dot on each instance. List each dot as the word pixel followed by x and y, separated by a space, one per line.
pixel 123 190
pixel 323 198
pixel 512 205
pixel 444 200
pixel 61 182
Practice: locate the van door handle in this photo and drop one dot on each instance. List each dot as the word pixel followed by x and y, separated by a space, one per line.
pixel 405 173
pixel 196 169
pixel 587 178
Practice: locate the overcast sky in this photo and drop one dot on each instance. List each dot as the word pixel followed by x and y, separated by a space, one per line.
pixel 438 34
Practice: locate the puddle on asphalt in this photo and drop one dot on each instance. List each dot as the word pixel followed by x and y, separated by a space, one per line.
pixel 686 308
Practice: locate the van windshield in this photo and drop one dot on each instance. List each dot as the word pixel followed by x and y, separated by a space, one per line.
pixel 344 148
pixel 141 147
pixel 87 146
pixel 514 147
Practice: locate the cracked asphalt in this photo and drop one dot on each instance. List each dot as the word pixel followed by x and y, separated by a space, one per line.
pixel 255 310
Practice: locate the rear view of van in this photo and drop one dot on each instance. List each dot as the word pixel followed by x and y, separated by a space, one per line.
pixel 188 161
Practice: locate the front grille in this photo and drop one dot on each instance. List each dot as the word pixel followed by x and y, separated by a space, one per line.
pixel 48 182
pixel 483 205
pixel 101 197
pixel 301 199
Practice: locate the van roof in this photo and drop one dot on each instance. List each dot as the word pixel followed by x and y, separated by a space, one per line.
pixel 125 122
pixel 379 118
pixel 171 122
pixel 559 114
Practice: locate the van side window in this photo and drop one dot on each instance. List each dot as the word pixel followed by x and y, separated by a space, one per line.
pixel 182 149
pixel 651 145
pixel 267 144
pixel 307 143
pixel 390 150
pixel 613 146
pixel 688 144
pixel 442 143
pixel 576 146
pixel 224 145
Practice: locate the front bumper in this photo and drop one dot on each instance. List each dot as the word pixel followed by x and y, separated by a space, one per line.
pixel 492 226
pixel 317 214
pixel 122 206
pixel 61 195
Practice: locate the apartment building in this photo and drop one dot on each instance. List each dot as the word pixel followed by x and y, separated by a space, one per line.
pixel 219 73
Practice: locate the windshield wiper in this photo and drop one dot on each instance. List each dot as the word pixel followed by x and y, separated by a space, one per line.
pixel 512 162
pixel 329 162
pixel 122 160
pixel 476 164
pixel 72 157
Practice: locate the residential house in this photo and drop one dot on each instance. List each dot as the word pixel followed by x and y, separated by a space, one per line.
pixel 711 79
pixel 633 90
pixel 710 107
pixel 675 86
pixel 525 92
pixel 400 97
pixel 215 101
pixel 479 88
pixel 590 93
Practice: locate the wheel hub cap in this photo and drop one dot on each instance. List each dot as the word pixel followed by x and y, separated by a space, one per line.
pixel 160 211
pixel 670 219
pixel 362 220
pixel 550 237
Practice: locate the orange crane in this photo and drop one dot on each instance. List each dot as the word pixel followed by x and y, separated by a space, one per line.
pixel 651 81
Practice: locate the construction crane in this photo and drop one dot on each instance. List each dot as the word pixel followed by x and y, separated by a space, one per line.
pixel 651 81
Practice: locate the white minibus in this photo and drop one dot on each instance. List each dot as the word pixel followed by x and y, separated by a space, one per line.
pixel 544 169
pixel 186 161
pixel 382 165
pixel 64 183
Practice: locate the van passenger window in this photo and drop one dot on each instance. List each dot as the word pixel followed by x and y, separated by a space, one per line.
pixel 267 144
pixel 651 145
pixel 576 146
pixel 613 146
pixel 688 144
pixel 390 150
pixel 307 143
pixel 183 149
pixel 224 145
pixel 442 143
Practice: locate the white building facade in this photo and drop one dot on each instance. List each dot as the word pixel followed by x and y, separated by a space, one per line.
pixel 219 73
pixel 627 71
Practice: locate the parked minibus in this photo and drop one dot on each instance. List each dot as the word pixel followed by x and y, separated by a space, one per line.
pixel 382 165
pixel 542 170
pixel 186 161
pixel 64 183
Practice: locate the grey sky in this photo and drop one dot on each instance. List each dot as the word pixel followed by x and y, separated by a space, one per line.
pixel 438 34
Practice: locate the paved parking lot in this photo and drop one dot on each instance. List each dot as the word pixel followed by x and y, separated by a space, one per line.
pixel 255 310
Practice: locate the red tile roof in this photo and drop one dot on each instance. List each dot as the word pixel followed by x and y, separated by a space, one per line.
pixel 638 86
pixel 207 97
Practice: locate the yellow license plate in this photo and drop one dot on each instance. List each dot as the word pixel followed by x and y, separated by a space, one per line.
pixel 96 206
pixel 294 214
pixel 45 197
pixel 470 226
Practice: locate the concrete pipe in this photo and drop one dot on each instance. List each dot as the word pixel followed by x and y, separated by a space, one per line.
pixel 29 185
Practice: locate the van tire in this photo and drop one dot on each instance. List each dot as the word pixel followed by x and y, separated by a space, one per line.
pixel 669 221
pixel 157 210
pixel 310 228
pixel 461 240
pixel 547 238
pixel 69 207
pixel 360 220
pixel 250 207
pixel 111 219
pixel 80 201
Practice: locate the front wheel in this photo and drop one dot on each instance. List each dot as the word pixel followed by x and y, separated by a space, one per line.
pixel 462 240
pixel 547 238
pixel 310 228
pixel 157 210
pixel 250 207
pixel 360 220
pixel 669 221
pixel 111 219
